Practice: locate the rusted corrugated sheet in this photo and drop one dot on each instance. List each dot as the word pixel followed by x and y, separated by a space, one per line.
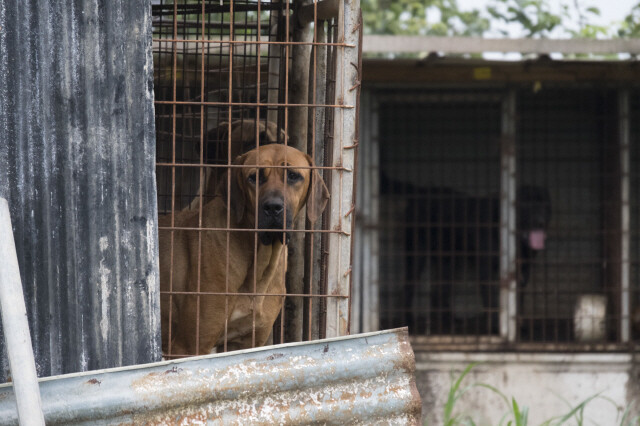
pixel 363 379
pixel 77 154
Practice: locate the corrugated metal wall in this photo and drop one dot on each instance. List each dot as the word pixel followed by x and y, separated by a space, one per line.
pixel 77 153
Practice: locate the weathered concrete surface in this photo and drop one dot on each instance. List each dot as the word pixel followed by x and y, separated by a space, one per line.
pixel 547 383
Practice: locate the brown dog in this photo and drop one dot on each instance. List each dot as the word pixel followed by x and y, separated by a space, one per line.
pixel 243 139
pixel 230 264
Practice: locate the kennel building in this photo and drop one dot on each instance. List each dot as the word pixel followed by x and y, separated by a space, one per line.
pixel 498 219
pixel 115 112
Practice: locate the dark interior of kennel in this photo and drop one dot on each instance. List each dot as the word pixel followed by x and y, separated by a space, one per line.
pixel 440 190
pixel 220 62
pixel 195 96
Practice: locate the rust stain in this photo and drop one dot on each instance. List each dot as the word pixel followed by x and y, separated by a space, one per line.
pixel 347 397
pixel 94 382
pixel 407 361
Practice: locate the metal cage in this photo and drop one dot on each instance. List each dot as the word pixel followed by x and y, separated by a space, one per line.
pixel 234 76
pixel 502 217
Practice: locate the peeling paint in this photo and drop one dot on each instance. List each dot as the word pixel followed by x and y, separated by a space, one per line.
pixel 104 243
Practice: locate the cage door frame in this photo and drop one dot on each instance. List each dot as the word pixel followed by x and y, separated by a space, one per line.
pixel 339 269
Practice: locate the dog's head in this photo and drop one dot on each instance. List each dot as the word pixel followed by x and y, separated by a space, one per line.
pixel 274 194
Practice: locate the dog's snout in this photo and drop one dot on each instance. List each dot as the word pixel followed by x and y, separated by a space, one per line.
pixel 273 207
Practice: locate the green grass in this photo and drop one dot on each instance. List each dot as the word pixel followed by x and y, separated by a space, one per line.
pixel 517 414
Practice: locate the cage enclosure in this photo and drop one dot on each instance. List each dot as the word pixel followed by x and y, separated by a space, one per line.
pixel 234 77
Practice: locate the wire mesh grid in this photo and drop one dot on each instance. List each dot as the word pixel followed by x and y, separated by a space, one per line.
pixel 248 95
pixel 438 181
pixel 455 165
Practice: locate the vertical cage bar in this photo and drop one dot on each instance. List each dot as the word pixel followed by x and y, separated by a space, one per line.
pixel 315 148
pixel 508 270
pixel 339 267
pixel 625 291
pixel 298 127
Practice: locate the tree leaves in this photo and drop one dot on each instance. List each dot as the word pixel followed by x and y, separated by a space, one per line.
pixel 535 18
pixel 421 17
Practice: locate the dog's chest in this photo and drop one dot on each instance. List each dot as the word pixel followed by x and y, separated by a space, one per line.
pixel 266 276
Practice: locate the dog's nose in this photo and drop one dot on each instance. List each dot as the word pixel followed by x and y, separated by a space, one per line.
pixel 273 207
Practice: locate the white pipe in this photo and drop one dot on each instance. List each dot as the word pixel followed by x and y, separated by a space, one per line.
pixel 16 327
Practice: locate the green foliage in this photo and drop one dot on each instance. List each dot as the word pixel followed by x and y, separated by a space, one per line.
pixel 403 17
pixel 517 414
pixel 455 392
pixel 630 27
pixel 627 420
pixel 534 18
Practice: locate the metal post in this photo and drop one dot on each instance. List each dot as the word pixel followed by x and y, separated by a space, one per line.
pixel 625 299
pixel 508 279
pixel 339 261
pixel 365 304
pixel 16 327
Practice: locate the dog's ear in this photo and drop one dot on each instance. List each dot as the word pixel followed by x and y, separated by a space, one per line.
pixel 237 197
pixel 283 136
pixel 223 131
pixel 317 195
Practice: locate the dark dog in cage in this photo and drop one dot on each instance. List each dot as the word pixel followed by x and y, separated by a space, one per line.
pixel 457 236
pixel 233 263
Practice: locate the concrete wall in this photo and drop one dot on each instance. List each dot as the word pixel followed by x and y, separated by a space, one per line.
pixel 546 383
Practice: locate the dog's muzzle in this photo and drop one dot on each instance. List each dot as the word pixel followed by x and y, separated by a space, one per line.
pixel 271 215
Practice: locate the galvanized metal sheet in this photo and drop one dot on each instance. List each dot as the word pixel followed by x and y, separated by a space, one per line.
pixel 362 379
pixel 77 159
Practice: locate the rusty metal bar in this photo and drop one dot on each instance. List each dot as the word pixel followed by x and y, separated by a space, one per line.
pixel 230 293
pixel 233 166
pixel 326 231
pixel 256 104
pixel 243 42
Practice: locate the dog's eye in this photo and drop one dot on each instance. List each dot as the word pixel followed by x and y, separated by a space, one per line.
pixel 252 178
pixel 293 176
